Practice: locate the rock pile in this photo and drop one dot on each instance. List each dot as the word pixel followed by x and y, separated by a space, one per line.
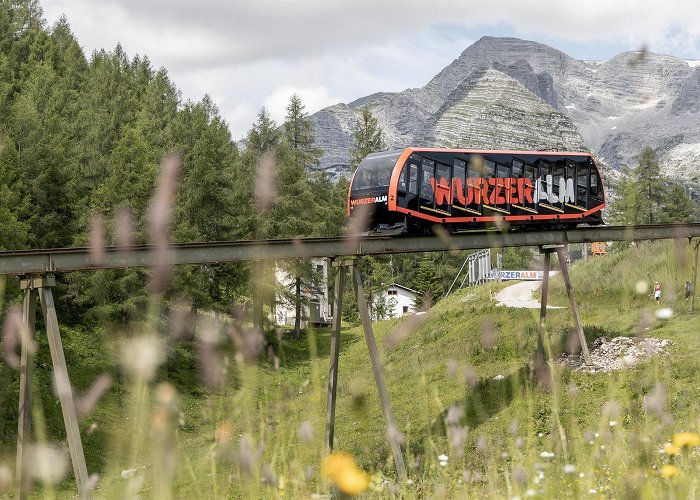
pixel 616 354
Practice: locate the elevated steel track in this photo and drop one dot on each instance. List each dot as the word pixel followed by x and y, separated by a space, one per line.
pixel 19 262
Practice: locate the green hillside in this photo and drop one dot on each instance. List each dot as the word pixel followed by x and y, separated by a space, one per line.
pixel 241 438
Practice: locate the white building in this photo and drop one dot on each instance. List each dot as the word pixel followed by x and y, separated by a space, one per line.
pixel 398 301
pixel 315 309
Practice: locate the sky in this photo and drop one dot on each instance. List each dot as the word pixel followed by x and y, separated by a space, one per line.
pixel 247 54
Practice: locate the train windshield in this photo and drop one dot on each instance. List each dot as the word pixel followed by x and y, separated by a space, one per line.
pixel 375 171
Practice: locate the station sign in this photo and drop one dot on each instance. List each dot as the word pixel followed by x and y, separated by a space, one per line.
pixel 524 275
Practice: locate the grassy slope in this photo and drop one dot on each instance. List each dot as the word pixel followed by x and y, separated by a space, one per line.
pixel 505 417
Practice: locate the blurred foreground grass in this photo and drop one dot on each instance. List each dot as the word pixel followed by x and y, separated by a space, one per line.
pixel 475 421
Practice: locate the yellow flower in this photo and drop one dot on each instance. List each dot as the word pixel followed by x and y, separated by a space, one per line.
pixel 348 477
pixel 683 439
pixel 671 449
pixel 668 470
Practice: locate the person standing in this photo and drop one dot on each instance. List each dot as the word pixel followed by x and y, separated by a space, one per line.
pixel 657 292
pixel 688 290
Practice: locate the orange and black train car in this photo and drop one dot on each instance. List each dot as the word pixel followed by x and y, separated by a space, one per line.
pixel 412 189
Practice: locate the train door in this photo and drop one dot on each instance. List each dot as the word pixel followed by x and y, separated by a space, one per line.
pixel 407 190
pixel 443 187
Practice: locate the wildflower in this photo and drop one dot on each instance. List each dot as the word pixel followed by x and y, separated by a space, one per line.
pixel 49 462
pixel 670 449
pixel 686 439
pixel 443 460
pixel 612 423
pixel 547 454
pixel 348 477
pixel 519 475
pixel 664 313
pixel 669 470
pixel 569 469
pixel 305 432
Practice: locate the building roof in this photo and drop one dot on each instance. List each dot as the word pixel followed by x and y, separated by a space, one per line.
pixel 414 292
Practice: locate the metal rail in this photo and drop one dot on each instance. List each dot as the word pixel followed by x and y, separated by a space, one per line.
pixel 18 262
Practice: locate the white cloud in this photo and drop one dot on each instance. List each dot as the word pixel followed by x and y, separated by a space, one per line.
pixel 252 52
pixel 313 98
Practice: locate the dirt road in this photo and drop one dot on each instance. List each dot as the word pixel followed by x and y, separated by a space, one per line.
pixel 520 295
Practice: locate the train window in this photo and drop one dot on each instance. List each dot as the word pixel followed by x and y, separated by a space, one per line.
pixel 594 184
pixel 489 169
pixel 413 178
pixel 476 167
pixel 375 171
pixel 557 173
pixel 402 179
pixel 443 172
pixel 502 172
pixel 427 179
pixel 517 168
pixel 458 182
pixel 581 185
pixel 531 175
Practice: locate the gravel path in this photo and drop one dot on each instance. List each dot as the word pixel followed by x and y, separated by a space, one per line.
pixel 520 295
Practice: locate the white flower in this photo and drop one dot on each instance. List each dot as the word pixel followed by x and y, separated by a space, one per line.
pixel 592 491
pixel 409 481
pixel 443 458
pixel 530 493
pixel 581 475
pixel 540 435
pixel 596 435
pixel 664 313
pixel 612 423
pixel 569 469
pixel 547 454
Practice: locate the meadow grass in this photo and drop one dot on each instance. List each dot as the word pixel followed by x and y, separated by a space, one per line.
pixel 475 417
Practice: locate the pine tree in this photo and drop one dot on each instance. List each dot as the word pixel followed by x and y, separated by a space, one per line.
pixel 298 134
pixel 368 137
pixel 649 182
pixel 677 207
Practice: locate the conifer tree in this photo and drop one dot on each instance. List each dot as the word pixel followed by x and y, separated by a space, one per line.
pixel 677 207
pixel 368 137
pixel 649 185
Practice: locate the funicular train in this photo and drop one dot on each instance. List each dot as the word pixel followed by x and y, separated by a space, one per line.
pixel 412 189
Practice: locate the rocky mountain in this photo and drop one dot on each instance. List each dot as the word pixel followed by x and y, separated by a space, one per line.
pixel 510 93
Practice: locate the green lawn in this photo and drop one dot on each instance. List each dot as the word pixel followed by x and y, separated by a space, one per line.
pixel 239 439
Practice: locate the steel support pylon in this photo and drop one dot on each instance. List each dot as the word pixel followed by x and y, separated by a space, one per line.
pixel 41 287
pixel 392 433
pixel 563 267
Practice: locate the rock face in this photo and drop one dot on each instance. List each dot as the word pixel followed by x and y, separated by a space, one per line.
pixel 617 354
pixel 517 94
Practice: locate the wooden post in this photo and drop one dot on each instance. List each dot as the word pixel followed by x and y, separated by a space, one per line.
pixel 377 367
pixel 24 419
pixel 65 391
pixel 570 292
pixel 543 303
pixel 335 349
pixel 695 276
